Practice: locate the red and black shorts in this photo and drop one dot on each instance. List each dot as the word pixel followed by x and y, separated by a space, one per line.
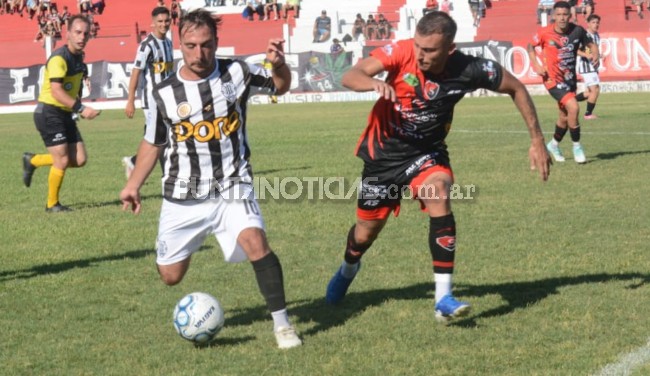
pixel 383 188
pixel 563 93
pixel 56 125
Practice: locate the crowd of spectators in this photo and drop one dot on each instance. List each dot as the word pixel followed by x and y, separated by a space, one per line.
pixel 50 20
pixel 264 9
pixel 371 28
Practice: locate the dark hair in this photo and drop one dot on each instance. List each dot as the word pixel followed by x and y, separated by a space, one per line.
pixel 81 17
pixel 593 17
pixel 159 10
pixel 437 23
pixel 562 4
pixel 198 18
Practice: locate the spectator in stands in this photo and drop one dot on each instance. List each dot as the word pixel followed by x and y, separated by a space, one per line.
pixel 44 7
pixel 587 8
pixel 291 5
pixel 371 28
pixel 16 6
pixel 32 8
pixel 639 7
pixel 53 16
pixel 98 6
pixel 446 6
pixel 336 47
pixel 359 27
pixel 430 6
pixel 272 6
pixel 84 6
pixel 473 7
pixel 482 9
pixel 254 7
pixel 322 27
pixel 65 15
pixel 383 28
pixel 544 6
pixel 174 11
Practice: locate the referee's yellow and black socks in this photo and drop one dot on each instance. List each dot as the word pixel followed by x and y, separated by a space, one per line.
pixel 54 180
pixel 41 160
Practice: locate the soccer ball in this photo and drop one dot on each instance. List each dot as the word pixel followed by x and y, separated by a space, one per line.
pixel 198 317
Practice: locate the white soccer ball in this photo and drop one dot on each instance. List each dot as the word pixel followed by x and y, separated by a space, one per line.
pixel 198 317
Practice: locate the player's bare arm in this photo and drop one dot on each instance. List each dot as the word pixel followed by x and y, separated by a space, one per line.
pixel 537 67
pixel 65 99
pixel 539 158
pixel 129 110
pixel 595 54
pixel 280 72
pixel 146 160
pixel 360 78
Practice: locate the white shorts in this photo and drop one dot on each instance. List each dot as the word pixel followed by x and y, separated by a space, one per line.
pixel 184 225
pixel 590 79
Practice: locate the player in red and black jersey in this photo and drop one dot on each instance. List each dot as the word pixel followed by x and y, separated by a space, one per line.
pixel 559 44
pixel 404 146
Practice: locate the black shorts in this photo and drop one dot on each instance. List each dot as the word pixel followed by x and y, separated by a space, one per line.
pixel 563 93
pixel 55 125
pixel 382 188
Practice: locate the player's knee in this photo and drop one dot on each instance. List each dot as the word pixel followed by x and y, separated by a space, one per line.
pixel 170 279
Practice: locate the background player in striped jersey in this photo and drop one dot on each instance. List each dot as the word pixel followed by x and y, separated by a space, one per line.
pixel 587 70
pixel 207 178
pixel 58 104
pixel 155 60
pixel 559 43
pixel 403 145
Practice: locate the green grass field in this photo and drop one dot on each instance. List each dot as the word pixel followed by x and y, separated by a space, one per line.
pixel 557 273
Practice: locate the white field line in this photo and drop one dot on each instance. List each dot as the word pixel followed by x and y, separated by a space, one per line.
pixel 627 362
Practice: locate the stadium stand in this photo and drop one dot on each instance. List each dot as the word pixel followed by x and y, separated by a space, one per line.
pixel 124 22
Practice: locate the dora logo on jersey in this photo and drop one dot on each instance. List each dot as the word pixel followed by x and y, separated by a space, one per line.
pixel 431 90
pixel 162 67
pixel 205 131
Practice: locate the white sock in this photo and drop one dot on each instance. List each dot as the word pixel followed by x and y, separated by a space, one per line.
pixel 576 143
pixel 280 318
pixel 554 142
pixel 443 285
pixel 349 270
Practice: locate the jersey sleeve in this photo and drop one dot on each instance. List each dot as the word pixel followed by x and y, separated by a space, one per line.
pixel 142 57
pixel 57 68
pixel 485 74
pixel 390 56
pixel 155 132
pixel 537 39
pixel 260 77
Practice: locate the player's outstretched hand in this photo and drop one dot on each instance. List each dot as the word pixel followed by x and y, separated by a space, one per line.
pixel 539 158
pixel 275 52
pixel 90 113
pixel 131 198
pixel 384 90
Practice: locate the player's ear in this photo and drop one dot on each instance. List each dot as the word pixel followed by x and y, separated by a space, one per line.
pixel 452 48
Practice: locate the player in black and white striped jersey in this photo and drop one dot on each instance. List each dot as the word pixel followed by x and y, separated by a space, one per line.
pixel 154 60
pixel 588 71
pixel 207 178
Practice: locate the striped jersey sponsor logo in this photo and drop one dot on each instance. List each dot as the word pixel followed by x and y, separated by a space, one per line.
pixel 155 59
pixel 205 126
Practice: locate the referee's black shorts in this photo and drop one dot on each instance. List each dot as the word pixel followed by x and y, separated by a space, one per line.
pixel 55 125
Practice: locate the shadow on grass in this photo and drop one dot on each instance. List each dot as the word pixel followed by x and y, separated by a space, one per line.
pixel 518 295
pixel 117 202
pixel 61 267
pixel 607 156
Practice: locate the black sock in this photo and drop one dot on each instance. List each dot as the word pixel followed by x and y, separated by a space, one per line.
pixel 133 159
pixel 575 134
pixel 559 133
pixel 268 273
pixel 354 251
pixel 442 243
pixel 590 108
pixel 580 97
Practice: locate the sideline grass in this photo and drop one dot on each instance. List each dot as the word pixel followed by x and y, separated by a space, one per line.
pixel 557 273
